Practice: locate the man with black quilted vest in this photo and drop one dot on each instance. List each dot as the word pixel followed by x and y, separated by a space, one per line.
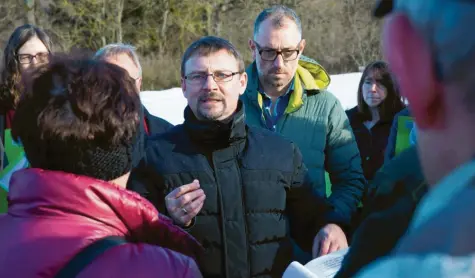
pixel 241 191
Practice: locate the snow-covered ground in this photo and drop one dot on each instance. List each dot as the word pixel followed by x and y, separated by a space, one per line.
pixel 169 104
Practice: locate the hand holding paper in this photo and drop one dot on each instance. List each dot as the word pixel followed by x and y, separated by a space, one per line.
pixel 329 239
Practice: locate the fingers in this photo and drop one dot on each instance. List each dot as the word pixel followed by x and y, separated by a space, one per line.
pixel 192 209
pixel 184 189
pixel 185 202
pixel 334 246
pixel 189 197
pixel 324 247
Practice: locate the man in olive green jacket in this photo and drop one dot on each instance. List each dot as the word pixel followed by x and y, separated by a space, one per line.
pixel 286 93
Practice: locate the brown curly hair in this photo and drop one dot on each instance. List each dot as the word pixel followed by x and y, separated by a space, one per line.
pixel 76 113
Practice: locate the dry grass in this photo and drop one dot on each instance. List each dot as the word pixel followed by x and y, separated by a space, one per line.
pixel 160 72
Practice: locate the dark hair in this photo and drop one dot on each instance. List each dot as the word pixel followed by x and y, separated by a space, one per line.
pixel 392 103
pixel 10 75
pixel 277 13
pixel 78 115
pixel 208 45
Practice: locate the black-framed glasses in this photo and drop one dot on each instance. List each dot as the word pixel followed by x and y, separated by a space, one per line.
pixel 41 57
pixel 269 54
pixel 218 76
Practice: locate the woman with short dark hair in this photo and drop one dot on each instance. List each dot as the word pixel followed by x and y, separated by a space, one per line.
pixel 378 101
pixel 78 121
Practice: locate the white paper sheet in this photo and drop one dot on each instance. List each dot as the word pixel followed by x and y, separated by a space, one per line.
pixel 323 267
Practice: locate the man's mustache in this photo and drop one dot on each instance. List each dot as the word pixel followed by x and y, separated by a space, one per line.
pixel 277 70
pixel 212 96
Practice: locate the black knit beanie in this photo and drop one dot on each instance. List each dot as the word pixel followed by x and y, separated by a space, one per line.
pixel 92 159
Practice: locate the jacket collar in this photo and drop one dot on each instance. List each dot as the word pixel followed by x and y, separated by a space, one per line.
pixel 310 76
pixel 41 193
pixel 216 134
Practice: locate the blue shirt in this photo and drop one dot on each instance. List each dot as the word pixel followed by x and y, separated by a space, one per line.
pixel 272 113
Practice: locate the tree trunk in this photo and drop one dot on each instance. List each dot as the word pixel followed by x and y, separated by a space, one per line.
pixel 163 29
pixel 30 12
pixel 216 19
pixel 104 18
pixel 209 19
pixel 120 11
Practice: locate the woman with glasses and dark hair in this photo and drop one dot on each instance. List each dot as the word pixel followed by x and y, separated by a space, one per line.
pixel 27 48
pixel 378 101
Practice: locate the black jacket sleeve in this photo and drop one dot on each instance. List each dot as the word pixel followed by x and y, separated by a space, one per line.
pixel 146 181
pixel 307 210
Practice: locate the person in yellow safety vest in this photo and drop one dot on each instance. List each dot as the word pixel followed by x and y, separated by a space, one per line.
pixel 27 48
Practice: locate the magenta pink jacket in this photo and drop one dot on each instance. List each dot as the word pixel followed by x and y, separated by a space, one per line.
pixel 53 215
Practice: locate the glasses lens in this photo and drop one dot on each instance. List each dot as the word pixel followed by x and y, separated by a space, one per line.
pixel 195 78
pixel 289 55
pixel 42 57
pixel 223 76
pixel 24 58
pixel 268 55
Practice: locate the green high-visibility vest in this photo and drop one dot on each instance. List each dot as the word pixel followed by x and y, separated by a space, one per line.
pixel 404 127
pixel 16 160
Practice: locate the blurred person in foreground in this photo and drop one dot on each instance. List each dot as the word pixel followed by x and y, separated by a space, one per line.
pixel 241 191
pixel 394 193
pixel 78 121
pixel 431 49
pixel 286 93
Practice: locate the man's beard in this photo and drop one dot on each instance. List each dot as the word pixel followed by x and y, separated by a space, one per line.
pixel 211 114
pixel 273 80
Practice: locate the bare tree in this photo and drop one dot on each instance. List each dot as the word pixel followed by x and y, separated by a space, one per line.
pixel 340 34
pixel 30 11
pixel 120 10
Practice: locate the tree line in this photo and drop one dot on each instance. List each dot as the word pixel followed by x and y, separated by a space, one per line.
pixel 341 35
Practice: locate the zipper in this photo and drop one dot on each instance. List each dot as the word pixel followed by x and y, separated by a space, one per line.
pixel 243 201
pixel 281 122
pixel 220 198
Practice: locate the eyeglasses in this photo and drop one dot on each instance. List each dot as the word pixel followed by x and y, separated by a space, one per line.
pixel 271 54
pixel 218 76
pixel 41 57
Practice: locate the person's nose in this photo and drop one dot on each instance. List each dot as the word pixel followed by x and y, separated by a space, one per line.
pixel 210 83
pixel 373 87
pixel 279 61
pixel 34 61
